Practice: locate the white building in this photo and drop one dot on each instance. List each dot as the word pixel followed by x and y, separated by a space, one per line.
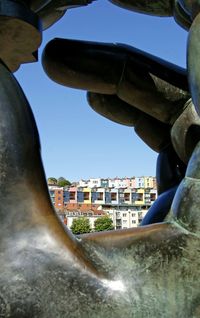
pixel 117 183
pixel 125 217
pixel 83 183
pixel 94 182
pixel 68 217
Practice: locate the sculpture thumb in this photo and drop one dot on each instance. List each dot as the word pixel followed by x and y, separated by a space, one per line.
pixel 27 216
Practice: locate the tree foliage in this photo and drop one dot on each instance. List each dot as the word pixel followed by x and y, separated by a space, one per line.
pixel 52 180
pixel 80 225
pixel 62 182
pixel 103 223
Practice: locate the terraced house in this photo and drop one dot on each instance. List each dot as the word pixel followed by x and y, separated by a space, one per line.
pixel 125 200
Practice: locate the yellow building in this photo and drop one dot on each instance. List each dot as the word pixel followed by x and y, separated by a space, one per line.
pixel 87 197
pixel 140 197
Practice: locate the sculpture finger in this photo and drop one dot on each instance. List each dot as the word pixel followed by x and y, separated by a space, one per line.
pixel 51 11
pixel 153 132
pixel 170 170
pixel 181 16
pixel 160 208
pixel 193 62
pixel 185 132
pixel 149 84
pixel 159 8
pixel 113 108
pixel 27 216
pixel 186 203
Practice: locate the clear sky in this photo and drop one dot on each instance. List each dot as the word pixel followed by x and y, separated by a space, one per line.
pixel 76 141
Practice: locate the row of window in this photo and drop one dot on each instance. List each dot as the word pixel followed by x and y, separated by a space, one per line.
pixel 125 215
pixel 133 222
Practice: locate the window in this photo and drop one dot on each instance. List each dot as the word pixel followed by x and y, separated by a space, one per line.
pixel 127 196
pixel 72 195
pixel 153 196
pixel 86 195
pixel 100 196
pixel 133 214
pixel 124 215
pixel 133 221
pixel 124 221
pixel 113 196
pixel 118 215
pixel 137 196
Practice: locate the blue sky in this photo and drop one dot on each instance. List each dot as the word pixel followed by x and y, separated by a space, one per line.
pixel 77 142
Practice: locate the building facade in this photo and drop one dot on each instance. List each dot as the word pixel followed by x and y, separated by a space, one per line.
pixel 126 200
pixel 133 182
pixel 68 216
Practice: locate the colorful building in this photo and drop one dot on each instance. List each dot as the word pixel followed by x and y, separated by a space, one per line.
pixel 126 203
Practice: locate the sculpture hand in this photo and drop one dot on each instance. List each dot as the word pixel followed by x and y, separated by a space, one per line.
pixel 151 270
pixel 124 84
pixel 135 89
pixel 186 13
pixel 46 272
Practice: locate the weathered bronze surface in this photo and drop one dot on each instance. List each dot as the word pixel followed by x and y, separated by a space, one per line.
pixel 150 271
pixel 21 24
pixel 51 11
pixel 154 7
pixel 46 272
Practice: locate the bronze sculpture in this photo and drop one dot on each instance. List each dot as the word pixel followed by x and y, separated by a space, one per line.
pixel 150 271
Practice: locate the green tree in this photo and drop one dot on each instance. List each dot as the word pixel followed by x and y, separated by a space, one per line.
pixel 103 223
pixel 62 182
pixel 80 225
pixel 52 180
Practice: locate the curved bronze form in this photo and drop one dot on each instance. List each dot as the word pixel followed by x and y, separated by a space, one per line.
pixel 132 78
pixel 47 272
pixel 21 24
pixel 150 271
